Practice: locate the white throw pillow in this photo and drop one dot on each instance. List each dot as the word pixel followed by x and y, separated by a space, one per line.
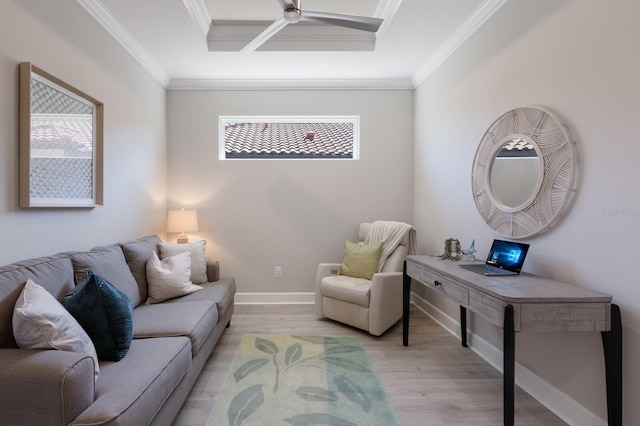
pixel 169 277
pixel 41 322
pixel 198 259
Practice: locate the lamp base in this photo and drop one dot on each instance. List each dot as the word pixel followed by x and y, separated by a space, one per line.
pixel 183 239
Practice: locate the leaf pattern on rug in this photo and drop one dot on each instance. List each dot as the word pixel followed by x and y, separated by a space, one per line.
pixel 320 340
pixel 347 364
pixel 315 393
pixel 294 352
pixel 245 404
pixel 325 381
pixel 266 346
pixel 248 367
pixel 341 349
pixel 353 392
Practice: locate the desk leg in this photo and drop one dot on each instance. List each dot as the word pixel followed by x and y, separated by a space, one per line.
pixel 463 325
pixel 612 343
pixel 508 367
pixel 406 290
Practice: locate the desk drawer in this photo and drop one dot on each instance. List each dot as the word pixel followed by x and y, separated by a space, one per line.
pixel 438 282
pixel 486 306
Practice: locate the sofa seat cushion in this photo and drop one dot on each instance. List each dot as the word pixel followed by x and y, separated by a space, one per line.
pixel 132 390
pixel 349 289
pixel 221 292
pixel 194 320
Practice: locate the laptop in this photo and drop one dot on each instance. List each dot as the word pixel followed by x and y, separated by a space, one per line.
pixel 505 258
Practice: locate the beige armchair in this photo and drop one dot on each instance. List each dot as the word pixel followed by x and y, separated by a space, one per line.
pixel 371 305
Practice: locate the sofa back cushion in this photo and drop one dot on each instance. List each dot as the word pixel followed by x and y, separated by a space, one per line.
pixel 137 252
pixel 54 273
pixel 110 264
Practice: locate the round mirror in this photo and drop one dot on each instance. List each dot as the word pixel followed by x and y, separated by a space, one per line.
pixel 523 174
pixel 516 173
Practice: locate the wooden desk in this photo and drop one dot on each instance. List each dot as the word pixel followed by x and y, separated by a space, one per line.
pixel 524 303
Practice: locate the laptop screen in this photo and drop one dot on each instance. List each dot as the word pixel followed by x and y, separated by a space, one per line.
pixel 507 255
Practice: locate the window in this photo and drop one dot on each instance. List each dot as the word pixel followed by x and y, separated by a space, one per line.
pixel 289 137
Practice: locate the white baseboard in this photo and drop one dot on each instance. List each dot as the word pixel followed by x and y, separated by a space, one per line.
pixel 561 404
pixel 275 298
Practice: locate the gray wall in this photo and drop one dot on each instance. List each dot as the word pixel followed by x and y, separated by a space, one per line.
pixel 258 214
pixel 580 59
pixel 62 39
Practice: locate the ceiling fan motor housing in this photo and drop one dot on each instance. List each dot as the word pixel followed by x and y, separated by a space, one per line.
pixel 292 15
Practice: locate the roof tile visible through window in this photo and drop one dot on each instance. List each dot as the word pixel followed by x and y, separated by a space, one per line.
pixel 289 140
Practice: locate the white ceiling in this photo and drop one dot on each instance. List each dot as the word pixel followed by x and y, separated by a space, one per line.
pixel 169 37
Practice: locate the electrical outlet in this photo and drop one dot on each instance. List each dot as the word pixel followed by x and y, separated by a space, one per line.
pixel 278 272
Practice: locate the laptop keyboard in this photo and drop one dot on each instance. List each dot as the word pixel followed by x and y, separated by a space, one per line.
pixel 484 268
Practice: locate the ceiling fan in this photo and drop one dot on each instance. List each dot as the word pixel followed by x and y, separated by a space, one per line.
pixel 293 14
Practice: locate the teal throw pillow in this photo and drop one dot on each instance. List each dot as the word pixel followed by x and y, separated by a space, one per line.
pixel 105 313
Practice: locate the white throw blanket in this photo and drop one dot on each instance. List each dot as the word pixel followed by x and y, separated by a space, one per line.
pixel 391 234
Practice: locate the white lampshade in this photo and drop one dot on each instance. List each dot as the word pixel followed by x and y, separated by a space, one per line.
pixel 182 221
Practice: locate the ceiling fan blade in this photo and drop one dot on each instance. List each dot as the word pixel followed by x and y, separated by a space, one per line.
pixel 364 23
pixel 276 26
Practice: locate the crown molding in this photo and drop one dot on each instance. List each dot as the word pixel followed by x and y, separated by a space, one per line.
pixel 302 84
pixel 466 30
pixel 199 14
pixel 386 10
pixel 98 12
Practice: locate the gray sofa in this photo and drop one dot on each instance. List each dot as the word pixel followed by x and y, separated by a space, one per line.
pixel 172 340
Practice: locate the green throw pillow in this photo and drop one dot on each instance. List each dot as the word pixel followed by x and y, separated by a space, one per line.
pixel 105 313
pixel 360 260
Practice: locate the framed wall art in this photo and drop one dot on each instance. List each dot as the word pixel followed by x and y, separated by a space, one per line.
pixel 61 134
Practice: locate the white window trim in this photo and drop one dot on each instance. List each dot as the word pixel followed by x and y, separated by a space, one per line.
pixel 224 119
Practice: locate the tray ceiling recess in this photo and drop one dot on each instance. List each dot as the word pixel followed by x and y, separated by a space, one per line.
pixel 298 29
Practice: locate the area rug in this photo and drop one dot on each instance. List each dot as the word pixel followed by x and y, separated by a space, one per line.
pixel 301 380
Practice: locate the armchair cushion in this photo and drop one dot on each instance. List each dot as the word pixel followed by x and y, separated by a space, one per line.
pixel 349 289
pixel 360 260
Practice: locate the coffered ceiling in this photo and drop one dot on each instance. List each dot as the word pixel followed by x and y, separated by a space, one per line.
pixel 196 43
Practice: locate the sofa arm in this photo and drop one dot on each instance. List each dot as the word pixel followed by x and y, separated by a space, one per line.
pixel 385 301
pixel 44 387
pixel 213 270
pixel 324 270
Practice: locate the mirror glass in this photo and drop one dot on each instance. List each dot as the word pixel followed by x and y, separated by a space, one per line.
pixel 516 173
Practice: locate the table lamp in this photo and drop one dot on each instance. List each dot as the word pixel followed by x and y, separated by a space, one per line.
pixel 182 221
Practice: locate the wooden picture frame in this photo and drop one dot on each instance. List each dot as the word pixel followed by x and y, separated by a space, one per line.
pixel 61 143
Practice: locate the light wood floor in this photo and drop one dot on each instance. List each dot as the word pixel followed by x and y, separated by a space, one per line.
pixel 433 381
